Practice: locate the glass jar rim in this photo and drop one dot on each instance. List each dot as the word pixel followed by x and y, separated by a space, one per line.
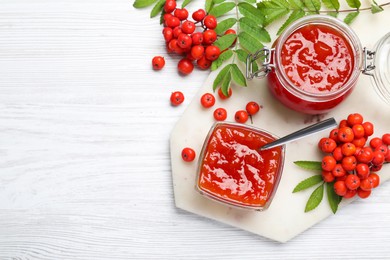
pixel 330 21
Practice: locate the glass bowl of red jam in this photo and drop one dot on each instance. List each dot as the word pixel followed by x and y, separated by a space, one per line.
pixel 233 171
pixel 314 65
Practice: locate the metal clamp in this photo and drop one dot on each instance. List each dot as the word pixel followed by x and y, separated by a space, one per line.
pixel 368 63
pixel 264 55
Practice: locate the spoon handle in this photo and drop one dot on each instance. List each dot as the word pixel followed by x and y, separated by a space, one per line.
pixel 317 127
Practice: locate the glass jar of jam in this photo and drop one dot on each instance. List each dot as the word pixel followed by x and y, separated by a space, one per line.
pixel 233 170
pixel 315 64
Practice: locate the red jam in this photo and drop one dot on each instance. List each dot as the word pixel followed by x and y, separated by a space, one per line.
pixel 317 60
pixel 234 171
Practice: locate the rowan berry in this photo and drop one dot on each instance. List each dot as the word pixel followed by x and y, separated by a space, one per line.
pixel 203 63
pixel 199 15
pixel 367 184
pixel 197 52
pixel 337 154
pixel 185 66
pixel 212 52
pixel 172 22
pixel 222 95
pixel 166 16
pixel 343 123
pixel 158 62
pixel 375 142
pixel 188 27
pixel 345 134
pixel 354 119
pixel 182 14
pixel 252 108
pixel 177 31
pixel 349 163
pixel 209 36
pixel 366 154
pixel 241 116
pixel 328 163
pixel 172 46
pixel 333 134
pixel 348 149
pixel 328 145
pixel 231 31
pixel 363 193
pixel 197 38
pixel 340 188
pixel 188 154
pixel 378 159
pixel 358 131
pixel 352 182
pixel 386 139
pixel 338 170
pixel 210 21
pixel 362 170
pixel 207 100
pixel 382 148
pixel 184 41
pixel 327 176
pixel 177 98
pixel 169 6
pixel 368 128
pixel 322 140
pixel 359 142
pixel 168 33
pixel 376 168
pixel 220 114
pixel 375 179
pixel 350 194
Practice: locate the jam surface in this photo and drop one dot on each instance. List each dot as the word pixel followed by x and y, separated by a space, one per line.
pixel 317 58
pixel 234 171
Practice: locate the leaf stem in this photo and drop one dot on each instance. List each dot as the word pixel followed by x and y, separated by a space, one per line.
pixel 352 10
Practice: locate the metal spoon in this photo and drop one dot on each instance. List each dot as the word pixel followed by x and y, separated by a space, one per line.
pixel 317 127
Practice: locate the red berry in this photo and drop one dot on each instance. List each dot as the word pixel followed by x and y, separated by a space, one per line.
pixel 177 98
pixel 322 140
pixel 222 95
pixel 362 170
pixel 354 119
pixel 328 145
pixel 169 6
pixel 386 139
pixel 188 27
pixel 352 182
pixel 184 41
pixel 197 38
pixel 358 131
pixel 199 15
pixel 340 188
pixel 338 171
pixel 188 154
pixel 349 163
pixel 345 135
pixel 212 52
pixel 337 154
pixel 376 168
pixel 350 194
pixel 168 33
pixel 210 21
pixel 203 63
pixel 363 193
pixel 343 123
pixel 359 142
pixel 166 17
pixel 252 108
pixel 366 154
pixel 367 184
pixel 368 128
pixel 158 62
pixel 241 116
pixel 209 36
pixel 375 142
pixel 375 179
pixel 182 14
pixel 327 176
pixel 197 52
pixel 382 148
pixel 185 66
pixel 348 149
pixel 328 163
pixel 172 22
pixel 231 31
pixel 207 100
pixel 378 159
pixel 220 114
pixel 333 134
pixel 177 31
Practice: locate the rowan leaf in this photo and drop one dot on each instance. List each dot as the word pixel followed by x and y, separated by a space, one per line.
pixel 157 8
pixel 249 43
pixel 296 4
pixel 185 3
pixel 354 3
pixel 225 41
pixel 313 5
pixel 272 10
pixel 221 75
pixel 251 12
pixel 264 35
pixel 246 25
pixel 223 25
pixel 238 76
pixel 307 183
pixel 333 199
pixel 223 57
pixel 309 165
pixel 250 1
pixel 350 17
pixel 218 1
pixel 293 17
pixel 375 8
pixel 332 4
pixel 219 10
pixel 208 5
pixel 226 83
pixel 315 198
pixel 143 3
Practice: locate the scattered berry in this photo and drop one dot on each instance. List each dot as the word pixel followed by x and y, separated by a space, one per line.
pixel 252 108
pixel 241 116
pixel 220 114
pixel 185 66
pixel 222 95
pixel 177 98
pixel 188 154
pixel 158 62
pixel 207 100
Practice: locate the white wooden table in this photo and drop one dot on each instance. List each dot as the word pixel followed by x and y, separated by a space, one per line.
pixel 84 155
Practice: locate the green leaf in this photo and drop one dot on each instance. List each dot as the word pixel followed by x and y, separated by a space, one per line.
pixel 225 41
pixel 333 199
pixel 222 26
pixel 221 75
pixel 246 25
pixel 307 183
pixel 350 17
pixel 208 5
pixel 250 1
pixel 334 14
pixel 332 4
pixel 251 12
pixel 296 4
pixel 309 165
pixel 293 16
pixel 185 3
pixel 223 57
pixel 157 8
pixel 354 3
pixel 143 3
pixel 219 10
pixel 218 1
pixel 272 10
pixel 237 75
pixel 264 35
pixel 313 5
pixel 315 198
pixel 249 43
pixel 242 55
pixel 375 8
pixel 226 84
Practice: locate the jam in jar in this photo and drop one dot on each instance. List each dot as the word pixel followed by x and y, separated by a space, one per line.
pixel 232 170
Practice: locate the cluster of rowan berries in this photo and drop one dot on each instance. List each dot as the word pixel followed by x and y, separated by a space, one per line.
pixel 193 39
pixel 350 163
